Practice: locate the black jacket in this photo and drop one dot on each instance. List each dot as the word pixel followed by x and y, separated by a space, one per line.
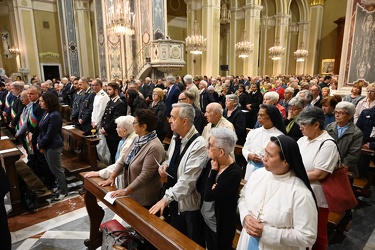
pixel 113 110
pixel 237 118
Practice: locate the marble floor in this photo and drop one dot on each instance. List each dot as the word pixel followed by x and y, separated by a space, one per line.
pixel 65 225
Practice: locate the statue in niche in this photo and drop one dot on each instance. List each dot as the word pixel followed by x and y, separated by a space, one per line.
pixel 5 40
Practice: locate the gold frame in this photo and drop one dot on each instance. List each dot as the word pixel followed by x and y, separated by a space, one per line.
pixel 327 66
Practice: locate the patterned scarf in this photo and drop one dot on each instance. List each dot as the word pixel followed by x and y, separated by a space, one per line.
pixel 138 144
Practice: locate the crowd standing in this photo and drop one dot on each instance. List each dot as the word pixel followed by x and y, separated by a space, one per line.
pixel 284 124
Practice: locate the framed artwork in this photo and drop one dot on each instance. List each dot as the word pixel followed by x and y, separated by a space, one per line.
pixel 327 66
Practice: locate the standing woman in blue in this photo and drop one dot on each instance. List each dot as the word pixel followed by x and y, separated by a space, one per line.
pixel 50 142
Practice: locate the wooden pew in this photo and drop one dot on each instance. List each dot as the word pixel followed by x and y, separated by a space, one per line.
pixel 156 231
pixel 10 159
pixel 79 152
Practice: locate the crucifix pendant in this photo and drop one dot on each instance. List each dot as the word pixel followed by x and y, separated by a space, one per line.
pixel 260 212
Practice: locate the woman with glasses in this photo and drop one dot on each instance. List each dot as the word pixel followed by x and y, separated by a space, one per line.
pixel 295 107
pixel 269 118
pixel 160 110
pixel 320 156
pixel 140 166
pixel 277 205
pixel 220 193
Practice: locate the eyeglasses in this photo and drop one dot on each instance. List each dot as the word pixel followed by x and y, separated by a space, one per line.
pixel 182 99
pixel 262 116
pixel 211 146
pixel 340 113
pixel 303 124
pixel 370 91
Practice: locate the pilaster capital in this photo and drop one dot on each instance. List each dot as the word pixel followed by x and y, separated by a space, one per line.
pixel 282 19
pixel 26 4
pixel 303 25
pixel 317 2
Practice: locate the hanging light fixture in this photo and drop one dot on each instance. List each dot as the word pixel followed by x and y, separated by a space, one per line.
pixel 244 48
pixel 224 13
pixel 196 43
pixel 120 19
pixel 301 54
pixel 276 51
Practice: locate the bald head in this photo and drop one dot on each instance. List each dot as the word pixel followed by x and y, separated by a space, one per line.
pixel 214 112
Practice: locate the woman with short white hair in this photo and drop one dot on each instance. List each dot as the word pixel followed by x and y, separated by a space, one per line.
pixel 125 130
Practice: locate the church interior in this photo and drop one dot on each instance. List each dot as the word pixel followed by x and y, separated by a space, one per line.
pixel 53 39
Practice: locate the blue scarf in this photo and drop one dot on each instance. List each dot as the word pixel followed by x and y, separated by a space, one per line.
pixel 140 141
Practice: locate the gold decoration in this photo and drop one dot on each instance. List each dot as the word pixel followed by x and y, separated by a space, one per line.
pixel 317 2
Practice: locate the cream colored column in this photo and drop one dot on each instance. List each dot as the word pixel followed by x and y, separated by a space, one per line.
pixel 211 30
pixel 303 28
pixel 24 36
pixel 236 26
pixel 316 15
pixel 84 38
pixel 281 31
pixel 252 33
pixel 194 12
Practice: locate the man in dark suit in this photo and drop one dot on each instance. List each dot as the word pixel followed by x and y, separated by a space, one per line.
pixel 87 104
pixel 172 93
pixel 67 92
pixel 205 97
pixel 114 109
pixel 47 86
pixel 17 106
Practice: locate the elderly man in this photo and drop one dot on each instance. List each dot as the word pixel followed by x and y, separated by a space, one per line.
pixel 316 95
pixel 188 79
pixel 47 86
pixel 187 156
pixel 188 97
pixel 214 115
pixel 100 101
pixel 16 106
pixel 205 97
pixel 172 93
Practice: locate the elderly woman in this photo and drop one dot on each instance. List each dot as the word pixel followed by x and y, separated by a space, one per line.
pixel 272 97
pixel 328 106
pixel 234 114
pixel 160 109
pixel 220 192
pixel 50 142
pixel 141 175
pixel 288 95
pixel 291 126
pixel 269 118
pixel 355 95
pixel 126 131
pixel 320 156
pixel 254 99
pixel 277 205
pixel 347 135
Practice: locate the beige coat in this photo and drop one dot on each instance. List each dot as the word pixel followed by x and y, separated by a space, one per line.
pixel 142 175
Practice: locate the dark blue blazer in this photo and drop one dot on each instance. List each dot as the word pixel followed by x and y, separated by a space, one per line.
pixel 172 98
pixel 50 131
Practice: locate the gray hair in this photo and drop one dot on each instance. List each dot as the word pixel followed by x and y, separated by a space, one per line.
pixel 188 78
pixel 49 83
pixel 125 122
pixel 273 95
pixel 347 106
pixel 37 89
pixel 18 85
pixel 296 101
pixel 311 115
pixel 225 138
pixel 289 89
pixel 308 95
pixel 234 98
pixel 171 79
pixel 186 111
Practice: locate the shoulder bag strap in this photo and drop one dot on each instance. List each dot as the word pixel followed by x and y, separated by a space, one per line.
pixel 339 160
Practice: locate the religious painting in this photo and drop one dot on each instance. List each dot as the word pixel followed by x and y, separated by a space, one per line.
pixel 361 49
pixel 327 66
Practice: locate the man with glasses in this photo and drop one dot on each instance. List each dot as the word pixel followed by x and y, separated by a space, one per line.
pixel 367 102
pixel 187 156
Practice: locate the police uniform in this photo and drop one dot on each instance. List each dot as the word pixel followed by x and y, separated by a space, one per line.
pixel 76 107
pixel 100 101
pixel 86 109
pixel 114 109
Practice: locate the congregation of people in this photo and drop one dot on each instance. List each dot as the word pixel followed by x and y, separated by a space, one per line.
pixel 292 131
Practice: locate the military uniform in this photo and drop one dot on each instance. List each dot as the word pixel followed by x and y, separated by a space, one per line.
pixel 86 109
pixel 77 99
pixel 100 101
pixel 114 109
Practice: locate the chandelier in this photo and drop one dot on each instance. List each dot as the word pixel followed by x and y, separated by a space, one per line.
pixel 196 43
pixel 224 14
pixel 301 54
pixel 244 48
pixel 276 51
pixel 119 17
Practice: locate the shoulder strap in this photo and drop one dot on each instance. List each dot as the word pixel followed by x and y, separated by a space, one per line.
pixel 338 150
pixel 195 136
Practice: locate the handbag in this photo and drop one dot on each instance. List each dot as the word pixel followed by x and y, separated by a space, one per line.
pixel 104 154
pixel 337 188
pixel 116 236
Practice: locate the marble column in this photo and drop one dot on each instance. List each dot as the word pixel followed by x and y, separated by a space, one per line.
pixel 84 37
pixel 303 28
pixel 316 16
pixel 22 22
pixel 252 34
pixel 281 34
pixel 69 37
pixel 100 31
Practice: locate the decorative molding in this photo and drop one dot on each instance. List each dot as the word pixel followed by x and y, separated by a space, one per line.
pixel 317 2
pixel 49 55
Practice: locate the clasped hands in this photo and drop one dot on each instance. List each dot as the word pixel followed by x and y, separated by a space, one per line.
pixel 253 226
